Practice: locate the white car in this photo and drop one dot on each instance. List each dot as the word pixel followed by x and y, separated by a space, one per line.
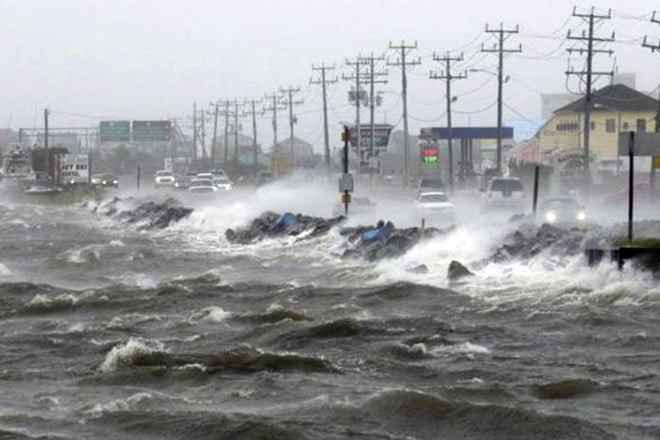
pixel 222 183
pixel 164 178
pixel 202 186
pixel 208 176
pixel 435 205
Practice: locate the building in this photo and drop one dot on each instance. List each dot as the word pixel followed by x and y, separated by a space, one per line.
pixel 615 108
pixel 303 151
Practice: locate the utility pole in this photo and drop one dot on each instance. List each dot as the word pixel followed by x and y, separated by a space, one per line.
pixel 194 145
pixel 448 77
pixel 502 35
pixel 253 103
pixel 226 114
pixel 48 164
pixel 358 97
pixel 404 95
pixel 288 99
pixel 372 104
pixel 203 135
pixel 590 19
pixel 654 48
pixel 236 134
pixel 324 81
pixel 215 131
pixel 274 107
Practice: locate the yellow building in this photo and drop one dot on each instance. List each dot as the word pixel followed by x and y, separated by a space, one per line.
pixel 616 108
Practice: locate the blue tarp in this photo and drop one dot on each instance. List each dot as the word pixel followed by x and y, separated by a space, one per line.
pixel 377 234
pixel 286 220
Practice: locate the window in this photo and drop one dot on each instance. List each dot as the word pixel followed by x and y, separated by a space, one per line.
pixel 625 126
pixel 567 126
pixel 641 125
pixel 610 125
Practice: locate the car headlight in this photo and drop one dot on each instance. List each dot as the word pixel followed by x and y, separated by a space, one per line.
pixel 551 217
pixel 581 216
pixel 105 182
pixel 115 182
pixel 176 184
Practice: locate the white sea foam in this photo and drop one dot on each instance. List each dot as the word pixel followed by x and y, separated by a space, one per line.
pixel 138 401
pixel 121 355
pixel 465 347
pixel 211 314
pixel 4 270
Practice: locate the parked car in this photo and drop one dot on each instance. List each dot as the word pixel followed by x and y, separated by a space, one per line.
pixel 504 193
pixel 208 176
pixel 164 178
pixel 105 180
pixel 217 172
pixel 183 182
pixel 222 183
pixel 202 186
pixel 561 210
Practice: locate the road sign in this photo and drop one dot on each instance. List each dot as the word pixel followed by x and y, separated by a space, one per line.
pixel 150 131
pixel 346 183
pixel 115 131
pixel 644 143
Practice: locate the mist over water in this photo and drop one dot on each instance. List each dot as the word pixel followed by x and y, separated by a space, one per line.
pixel 111 329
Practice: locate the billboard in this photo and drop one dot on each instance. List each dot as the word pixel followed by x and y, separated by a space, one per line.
pixel 381 137
pixel 465 133
pixel 115 131
pixel 74 168
pixel 151 131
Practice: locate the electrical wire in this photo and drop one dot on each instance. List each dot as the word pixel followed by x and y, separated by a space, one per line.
pixel 474 112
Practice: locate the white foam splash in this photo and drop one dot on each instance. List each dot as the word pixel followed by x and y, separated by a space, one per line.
pixel 4 270
pixel 212 314
pixel 123 354
pixel 465 347
pixel 141 400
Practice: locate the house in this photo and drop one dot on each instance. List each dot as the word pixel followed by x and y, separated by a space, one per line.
pixel 614 109
pixel 303 152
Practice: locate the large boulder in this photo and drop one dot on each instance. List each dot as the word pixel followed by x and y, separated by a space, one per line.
pixel 271 224
pixel 456 271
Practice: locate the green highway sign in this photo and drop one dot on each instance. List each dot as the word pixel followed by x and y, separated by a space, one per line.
pixel 149 131
pixel 115 131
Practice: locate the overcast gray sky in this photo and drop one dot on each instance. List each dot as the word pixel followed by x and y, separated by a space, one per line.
pixel 151 59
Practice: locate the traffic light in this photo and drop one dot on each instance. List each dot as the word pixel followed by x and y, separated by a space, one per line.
pixel 430 155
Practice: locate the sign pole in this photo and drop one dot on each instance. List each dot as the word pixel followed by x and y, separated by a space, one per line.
pixel 536 189
pixel 631 158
